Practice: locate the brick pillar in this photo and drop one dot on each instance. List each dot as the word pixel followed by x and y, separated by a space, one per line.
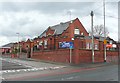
pixel 101 49
pixel 76 51
pixel 101 46
pixel 56 43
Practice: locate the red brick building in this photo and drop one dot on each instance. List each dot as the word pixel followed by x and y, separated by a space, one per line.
pixel 48 45
pixel 62 32
pixel 6 49
pixel 54 45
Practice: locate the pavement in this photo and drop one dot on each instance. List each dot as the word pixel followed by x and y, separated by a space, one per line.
pixel 82 65
pixel 41 63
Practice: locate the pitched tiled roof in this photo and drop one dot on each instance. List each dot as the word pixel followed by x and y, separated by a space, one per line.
pixel 9 45
pixel 59 28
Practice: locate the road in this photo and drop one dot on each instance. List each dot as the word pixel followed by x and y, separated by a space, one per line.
pixel 6 65
pixel 68 73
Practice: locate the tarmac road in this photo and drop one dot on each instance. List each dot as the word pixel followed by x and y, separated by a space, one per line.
pixel 6 65
pixel 108 72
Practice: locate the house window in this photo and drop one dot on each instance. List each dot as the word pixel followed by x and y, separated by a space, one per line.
pixel 82 33
pixel 40 43
pixel 27 46
pixel 96 46
pixel 60 43
pixel 110 42
pixel 87 45
pixel 76 31
pixel 45 43
pixel 90 45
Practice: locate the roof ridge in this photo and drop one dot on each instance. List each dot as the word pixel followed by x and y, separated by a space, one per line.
pixel 62 23
pixel 56 27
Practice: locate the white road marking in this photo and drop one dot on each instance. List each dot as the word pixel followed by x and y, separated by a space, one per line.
pixel 70 78
pixel 16 62
pixel 30 68
pixel 17 70
pixel 33 69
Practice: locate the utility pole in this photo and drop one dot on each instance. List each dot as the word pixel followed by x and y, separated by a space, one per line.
pixel 92 36
pixel 18 45
pixel 104 31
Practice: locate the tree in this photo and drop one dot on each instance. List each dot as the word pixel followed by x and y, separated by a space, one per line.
pixel 98 30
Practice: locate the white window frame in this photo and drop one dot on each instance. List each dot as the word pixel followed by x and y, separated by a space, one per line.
pixel 87 46
pixel 96 46
pixel 59 44
pixel 76 31
pixel 45 43
pixel 90 46
pixel 40 43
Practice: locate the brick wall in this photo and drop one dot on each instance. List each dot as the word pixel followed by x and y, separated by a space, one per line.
pixel 112 56
pixel 78 56
pixel 54 55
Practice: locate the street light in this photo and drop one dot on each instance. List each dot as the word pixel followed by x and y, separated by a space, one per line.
pixel 18 44
pixel 71 47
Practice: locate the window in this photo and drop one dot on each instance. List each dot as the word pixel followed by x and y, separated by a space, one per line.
pixel 90 45
pixel 76 31
pixel 40 43
pixel 60 43
pixel 110 42
pixel 87 45
pixel 45 43
pixel 82 33
pixel 96 47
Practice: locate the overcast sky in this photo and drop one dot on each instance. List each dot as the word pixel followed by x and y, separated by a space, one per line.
pixel 30 19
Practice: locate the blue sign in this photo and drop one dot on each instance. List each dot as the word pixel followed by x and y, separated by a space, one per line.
pixel 66 45
pixel 71 47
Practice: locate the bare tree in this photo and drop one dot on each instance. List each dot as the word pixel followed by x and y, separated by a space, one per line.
pixel 98 30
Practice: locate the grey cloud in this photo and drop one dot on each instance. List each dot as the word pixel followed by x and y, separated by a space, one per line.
pixel 30 19
pixel 46 7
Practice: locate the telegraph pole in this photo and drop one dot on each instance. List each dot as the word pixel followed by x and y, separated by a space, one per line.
pixel 18 44
pixel 92 36
pixel 104 31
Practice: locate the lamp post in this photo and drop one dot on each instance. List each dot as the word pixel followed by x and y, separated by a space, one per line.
pixel 71 47
pixel 18 44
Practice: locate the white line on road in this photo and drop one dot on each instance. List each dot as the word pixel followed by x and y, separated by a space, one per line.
pixel 33 69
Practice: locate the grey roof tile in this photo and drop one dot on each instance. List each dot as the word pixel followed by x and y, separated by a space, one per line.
pixel 8 45
pixel 59 28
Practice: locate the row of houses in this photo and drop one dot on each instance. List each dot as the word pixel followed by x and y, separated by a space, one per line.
pixel 55 42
